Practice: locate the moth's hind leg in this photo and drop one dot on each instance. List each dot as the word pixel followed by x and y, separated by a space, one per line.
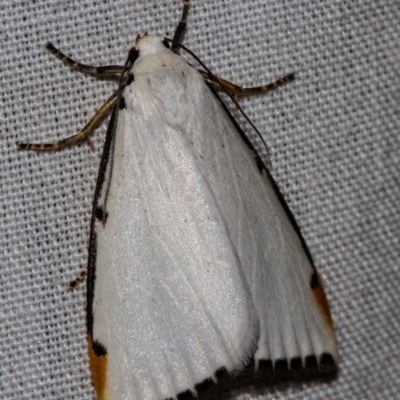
pixel 84 134
pixel 104 70
pixel 236 90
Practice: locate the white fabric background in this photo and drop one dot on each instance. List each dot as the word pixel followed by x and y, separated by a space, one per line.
pixel 335 144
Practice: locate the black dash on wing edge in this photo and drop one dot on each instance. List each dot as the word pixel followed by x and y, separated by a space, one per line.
pixel 166 43
pixel 99 349
pixel 327 364
pixel 122 104
pixel 130 79
pixel 106 158
pixel 314 281
pixel 265 366
pixel 221 373
pixel 133 55
pixel 296 364
pixel 100 214
pixel 186 395
pixel 204 386
pixel 281 366
pixel 311 363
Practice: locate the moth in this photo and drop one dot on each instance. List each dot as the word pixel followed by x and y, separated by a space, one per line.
pixel 196 264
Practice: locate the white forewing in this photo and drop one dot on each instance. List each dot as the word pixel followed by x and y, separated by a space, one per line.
pixel 198 266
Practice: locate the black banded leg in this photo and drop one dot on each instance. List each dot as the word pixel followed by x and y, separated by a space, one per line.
pixel 181 27
pixel 84 134
pixel 105 70
pixel 236 91
pixel 78 279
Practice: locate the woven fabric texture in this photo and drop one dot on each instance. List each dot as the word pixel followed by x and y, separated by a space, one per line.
pixel 335 149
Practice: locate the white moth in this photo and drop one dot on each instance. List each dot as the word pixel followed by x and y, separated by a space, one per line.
pixel 195 263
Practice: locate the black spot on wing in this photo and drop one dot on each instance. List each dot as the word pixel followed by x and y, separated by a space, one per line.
pixel 327 364
pixel 311 363
pixel 205 386
pixel 186 395
pixel 281 366
pixel 166 43
pixel 221 373
pixel 314 283
pixel 122 104
pixel 266 366
pixel 133 55
pixel 296 364
pixel 281 370
pixel 130 79
pixel 99 349
pixel 100 214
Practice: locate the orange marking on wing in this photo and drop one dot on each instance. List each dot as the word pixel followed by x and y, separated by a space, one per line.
pixel 320 298
pixel 98 365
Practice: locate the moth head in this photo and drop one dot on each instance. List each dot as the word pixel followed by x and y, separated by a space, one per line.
pixel 147 44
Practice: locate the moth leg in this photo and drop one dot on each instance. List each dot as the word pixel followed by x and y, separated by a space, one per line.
pixel 104 70
pixel 84 134
pixel 236 90
pixel 181 27
pixel 78 279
